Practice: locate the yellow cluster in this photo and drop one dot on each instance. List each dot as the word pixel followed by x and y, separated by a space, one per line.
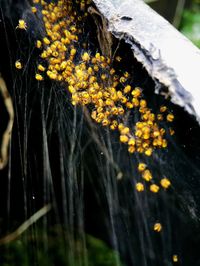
pixel 148 177
pixel 92 81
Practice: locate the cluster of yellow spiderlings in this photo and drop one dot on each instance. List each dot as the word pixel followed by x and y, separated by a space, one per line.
pixel 147 176
pixel 92 80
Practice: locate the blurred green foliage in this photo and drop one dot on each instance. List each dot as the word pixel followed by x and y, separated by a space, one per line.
pixel 190 26
pixel 190 23
pixel 56 248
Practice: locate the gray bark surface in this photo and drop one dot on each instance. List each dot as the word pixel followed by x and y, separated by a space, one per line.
pixel 169 57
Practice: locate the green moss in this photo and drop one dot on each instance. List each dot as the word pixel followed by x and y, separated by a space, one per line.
pixel 57 248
